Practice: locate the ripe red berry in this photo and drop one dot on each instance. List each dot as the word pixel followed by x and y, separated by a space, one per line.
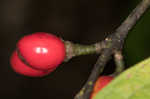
pixel 21 68
pixel 39 51
pixel 100 84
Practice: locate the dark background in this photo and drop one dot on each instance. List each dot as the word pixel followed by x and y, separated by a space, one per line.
pixel 81 21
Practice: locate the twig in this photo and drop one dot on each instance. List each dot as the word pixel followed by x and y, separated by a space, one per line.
pixel 113 42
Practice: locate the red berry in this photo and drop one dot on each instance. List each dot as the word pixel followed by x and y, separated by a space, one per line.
pixel 23 69
pixel 100 84
pixel 40 52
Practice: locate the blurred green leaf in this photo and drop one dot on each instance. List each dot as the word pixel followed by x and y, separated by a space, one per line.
pixel 133 83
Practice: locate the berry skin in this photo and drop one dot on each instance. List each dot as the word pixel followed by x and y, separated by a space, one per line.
pixel 41 52
pixel 100 84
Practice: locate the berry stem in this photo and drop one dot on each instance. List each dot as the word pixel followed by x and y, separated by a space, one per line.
pixel 119 62
pixel 73 50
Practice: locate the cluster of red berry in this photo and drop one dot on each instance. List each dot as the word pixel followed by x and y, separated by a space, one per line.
pixel 38 54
